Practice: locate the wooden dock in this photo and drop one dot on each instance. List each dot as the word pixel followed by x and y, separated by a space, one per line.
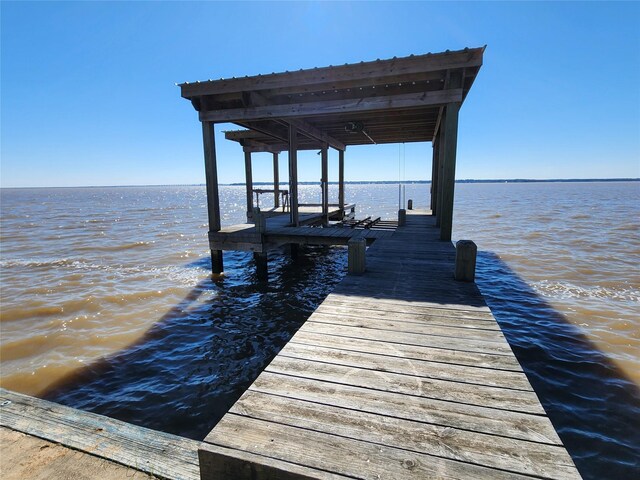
pixel 277 231
pixel 65 442
pixel 400 373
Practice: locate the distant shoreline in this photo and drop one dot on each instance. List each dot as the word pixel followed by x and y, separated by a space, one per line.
pixel 364 182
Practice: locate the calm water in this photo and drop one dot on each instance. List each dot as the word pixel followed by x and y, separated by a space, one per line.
pixel 107 303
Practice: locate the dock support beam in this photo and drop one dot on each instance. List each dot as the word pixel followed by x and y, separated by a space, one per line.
pixel 439 171
pixel 249 184
pixel 325 184
pixel 434 175
pixel 449 170
pixel 213 198
pixel 276 181
pixel 341 182
pixel 293 175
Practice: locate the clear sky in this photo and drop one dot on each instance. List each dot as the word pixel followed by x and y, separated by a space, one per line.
pixel 89 98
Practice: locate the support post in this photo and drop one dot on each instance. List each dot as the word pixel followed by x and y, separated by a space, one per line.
pixel 249 184
pixel 466 253
pixel 434 175
pixel 213 199
pixel 262 265
pixel 440 174
pixel 293 175
pixel 357 248
pixel 410 204
pixel 325 185
pixel 276 181
pixel 449 170
pixel 402 217
pixel 341 182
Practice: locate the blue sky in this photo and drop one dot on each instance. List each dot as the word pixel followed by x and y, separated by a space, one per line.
pixel 89 98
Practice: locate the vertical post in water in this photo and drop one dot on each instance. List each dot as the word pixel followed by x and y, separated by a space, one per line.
pixel 441 142
pixel 434 175
pixel 325 184
pixel 466 253
pixel 248 183
pixel 213 198
pixel 449 170
pixel 276 181
pixel 341 182
pixel 293 175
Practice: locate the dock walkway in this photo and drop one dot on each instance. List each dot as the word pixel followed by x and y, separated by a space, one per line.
pixel 400 373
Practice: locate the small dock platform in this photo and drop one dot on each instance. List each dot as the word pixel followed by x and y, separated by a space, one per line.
pixel 278 231
pixel 400 373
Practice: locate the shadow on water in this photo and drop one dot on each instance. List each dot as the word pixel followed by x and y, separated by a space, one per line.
pixel 592 404
pixel 194 363
pixel 184 374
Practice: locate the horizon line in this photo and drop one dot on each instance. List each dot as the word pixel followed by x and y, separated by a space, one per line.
pixel 352 182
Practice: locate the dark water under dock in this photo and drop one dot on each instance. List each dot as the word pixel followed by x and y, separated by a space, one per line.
pixel 120 275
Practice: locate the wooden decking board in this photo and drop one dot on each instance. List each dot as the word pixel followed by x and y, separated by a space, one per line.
pixel 344 456
pixel 473 418
pixel 445 442
pixel 410 352
pixel 160 454
pixel 355 305
pixel 419 319
pixel 403 338
pixel 409 384
pixel 419 368
pixel 410 327
pixel 400 373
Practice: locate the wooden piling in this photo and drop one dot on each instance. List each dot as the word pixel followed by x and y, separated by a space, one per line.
pixel 410 205
pixel 248 183
pixel 262 268
pixel 402 217
pixel 293 175
pixel 213 198
pixel 325 185
pixel 276 181
pixel 449 170
pixel 465 268
pixel 341 181
pixel 356 256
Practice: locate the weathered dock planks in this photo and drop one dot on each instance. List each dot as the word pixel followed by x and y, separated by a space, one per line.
pixel 400 373
pixel 159 454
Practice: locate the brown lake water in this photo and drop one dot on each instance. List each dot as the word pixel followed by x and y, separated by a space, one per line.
pixel 107 304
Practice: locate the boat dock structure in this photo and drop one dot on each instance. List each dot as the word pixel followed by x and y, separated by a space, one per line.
pixel 402 372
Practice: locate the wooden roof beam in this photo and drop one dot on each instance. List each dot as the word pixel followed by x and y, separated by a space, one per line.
pixel 358 72
pixel 394 102
pixel 255 99
pixel 310 131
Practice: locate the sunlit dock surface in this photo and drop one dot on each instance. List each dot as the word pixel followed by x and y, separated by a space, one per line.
pixel 48 440
pixel 402 372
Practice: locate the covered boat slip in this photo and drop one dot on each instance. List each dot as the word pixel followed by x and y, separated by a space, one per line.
pixel 402 372
pixel 409 99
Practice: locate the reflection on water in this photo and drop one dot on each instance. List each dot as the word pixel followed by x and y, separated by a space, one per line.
pixel 107 303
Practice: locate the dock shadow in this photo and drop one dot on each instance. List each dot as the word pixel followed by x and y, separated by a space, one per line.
pixel 593 405
pixel 193 364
